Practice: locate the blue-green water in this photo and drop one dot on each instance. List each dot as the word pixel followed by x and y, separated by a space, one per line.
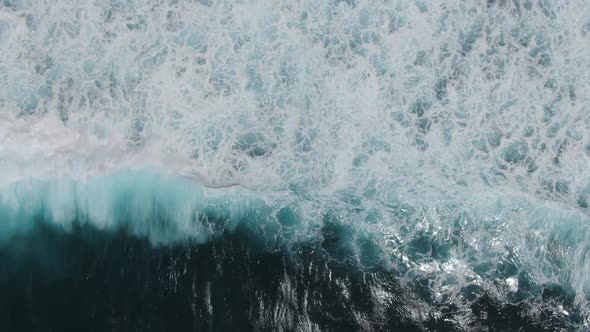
pixel 294 165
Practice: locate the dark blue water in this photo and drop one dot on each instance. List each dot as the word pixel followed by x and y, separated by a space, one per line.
pixel 110 281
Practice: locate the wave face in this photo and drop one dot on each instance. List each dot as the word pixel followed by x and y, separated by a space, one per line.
pixel 308 165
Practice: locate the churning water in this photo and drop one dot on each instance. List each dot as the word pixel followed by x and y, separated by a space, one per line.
pixel 294 165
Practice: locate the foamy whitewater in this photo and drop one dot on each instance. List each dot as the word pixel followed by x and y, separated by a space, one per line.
pixel 449 141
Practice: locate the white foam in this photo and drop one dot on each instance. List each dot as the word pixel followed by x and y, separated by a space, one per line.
pixel 471 117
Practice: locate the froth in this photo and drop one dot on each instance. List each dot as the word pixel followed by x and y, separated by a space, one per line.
pixel 403 115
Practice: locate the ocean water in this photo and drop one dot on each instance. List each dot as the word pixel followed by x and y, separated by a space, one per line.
pixel 203 165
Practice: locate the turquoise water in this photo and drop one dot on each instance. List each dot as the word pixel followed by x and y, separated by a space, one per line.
pixel 442 145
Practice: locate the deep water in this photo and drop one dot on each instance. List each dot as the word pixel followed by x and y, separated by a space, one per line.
pixel 113 281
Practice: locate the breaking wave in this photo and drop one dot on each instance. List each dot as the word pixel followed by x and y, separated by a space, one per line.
pixel 392 164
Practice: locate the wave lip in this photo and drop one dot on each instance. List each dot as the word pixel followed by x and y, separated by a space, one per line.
pixel 164 208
